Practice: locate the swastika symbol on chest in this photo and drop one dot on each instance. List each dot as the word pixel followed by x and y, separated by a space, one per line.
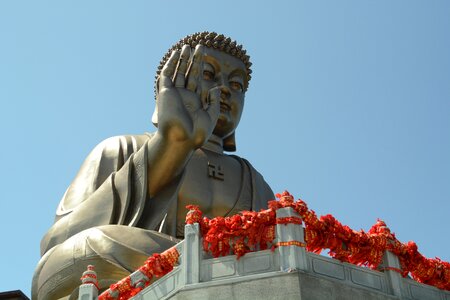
pixel 215 171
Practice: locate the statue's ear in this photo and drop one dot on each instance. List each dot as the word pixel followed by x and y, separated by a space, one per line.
pixel 155 112
pixel 229 143
pixel 155 116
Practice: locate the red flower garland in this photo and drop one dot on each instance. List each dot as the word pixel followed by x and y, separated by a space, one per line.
pixel 249 231
pixel 289 220
pixel 365 249
pixel 156 265
pixel 252 231
pixel 239 234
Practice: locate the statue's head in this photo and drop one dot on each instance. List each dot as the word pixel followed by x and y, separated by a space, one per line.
pixel 224 64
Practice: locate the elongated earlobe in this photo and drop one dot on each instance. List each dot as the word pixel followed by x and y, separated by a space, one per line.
pixel 155 112
pixel 155 116
pixel 229 143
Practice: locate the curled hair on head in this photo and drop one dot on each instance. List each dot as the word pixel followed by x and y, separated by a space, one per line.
pixel 211 40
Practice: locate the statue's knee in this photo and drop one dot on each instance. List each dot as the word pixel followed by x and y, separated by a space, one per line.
pixel 114 250
pixel 60 269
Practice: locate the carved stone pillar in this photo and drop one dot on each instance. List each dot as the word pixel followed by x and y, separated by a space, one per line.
pixel 191 253
pixel 290 240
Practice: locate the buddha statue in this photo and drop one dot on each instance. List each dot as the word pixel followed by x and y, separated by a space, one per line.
pixel 128 199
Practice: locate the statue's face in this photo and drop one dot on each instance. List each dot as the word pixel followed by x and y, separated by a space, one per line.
pixel 229 73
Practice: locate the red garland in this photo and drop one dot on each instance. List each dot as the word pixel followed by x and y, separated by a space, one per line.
pixel 252 231
pixel 239 234
pixel 156 265
pixel 249 231
pixel 289 220
pixel 291 243
pixel 365 249
pixel 194 214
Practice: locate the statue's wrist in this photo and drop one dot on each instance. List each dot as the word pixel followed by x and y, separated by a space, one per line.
pixel 174 141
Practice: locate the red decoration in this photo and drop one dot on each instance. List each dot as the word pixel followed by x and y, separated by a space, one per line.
pixel 194 214
pixel 239 234
pixel 253 231
pixel 156 265
pixel 90 276
pixel 366 248
pixel 291 243
pixel 289 220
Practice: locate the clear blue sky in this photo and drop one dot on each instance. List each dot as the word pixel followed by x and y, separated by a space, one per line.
pixel 348 108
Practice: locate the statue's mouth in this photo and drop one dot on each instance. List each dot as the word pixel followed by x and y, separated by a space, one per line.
pixel 224 107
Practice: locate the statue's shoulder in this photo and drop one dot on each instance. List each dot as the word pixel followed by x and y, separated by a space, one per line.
pixel 246 162
pixel 120 145
pixel 133 140
pixel 107 157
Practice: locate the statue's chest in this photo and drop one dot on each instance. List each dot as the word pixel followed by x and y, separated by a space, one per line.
pixel 212 181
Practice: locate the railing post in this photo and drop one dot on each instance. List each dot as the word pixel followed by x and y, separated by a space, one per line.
pixel 290 240
pixel 391 266
pixel 191 253
pixel 88 290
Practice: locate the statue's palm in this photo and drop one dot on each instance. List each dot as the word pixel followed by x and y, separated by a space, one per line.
pixel 182 115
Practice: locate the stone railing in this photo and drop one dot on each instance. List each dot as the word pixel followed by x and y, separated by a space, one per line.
pixel 198 271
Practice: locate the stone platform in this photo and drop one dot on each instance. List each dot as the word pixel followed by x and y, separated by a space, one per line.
pixel 257 276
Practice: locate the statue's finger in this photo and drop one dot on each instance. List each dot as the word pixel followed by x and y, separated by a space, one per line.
pixel 213 100
pixel 193 72
pixel 180 71
pixel 165 78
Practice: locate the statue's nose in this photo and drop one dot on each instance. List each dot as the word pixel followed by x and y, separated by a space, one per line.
pixel 224 89
pixel 224 92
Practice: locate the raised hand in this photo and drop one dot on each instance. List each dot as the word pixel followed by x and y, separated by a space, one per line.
pixel 183 116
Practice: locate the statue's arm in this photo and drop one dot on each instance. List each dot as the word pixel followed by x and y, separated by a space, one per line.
pixel 106 158
pixel 166 159
pixel 262 191
pixel 265 194
pixel 110 188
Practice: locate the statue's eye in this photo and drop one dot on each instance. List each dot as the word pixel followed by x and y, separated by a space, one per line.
pixel 237 86
pixel 208 75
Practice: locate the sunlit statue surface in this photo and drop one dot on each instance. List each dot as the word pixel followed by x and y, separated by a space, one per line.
pixel 128 199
